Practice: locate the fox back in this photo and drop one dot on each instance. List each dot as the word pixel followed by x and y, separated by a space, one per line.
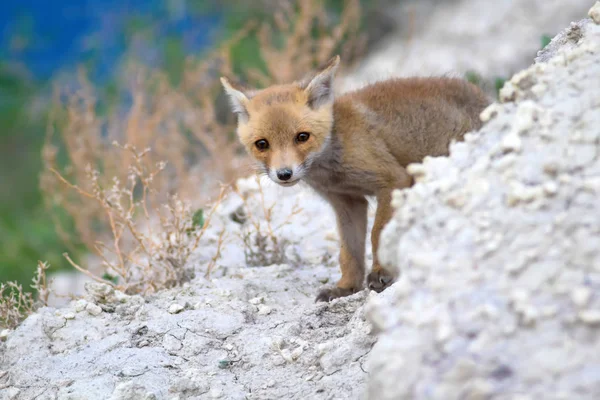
pixel 410 117
pixel 286 128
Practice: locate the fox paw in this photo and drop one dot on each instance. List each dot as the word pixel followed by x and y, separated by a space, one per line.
pixel 329 294
pixel 379 280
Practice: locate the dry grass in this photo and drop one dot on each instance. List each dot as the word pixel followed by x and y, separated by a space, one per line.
pixel 185 137
pixel 150 242
pixel 259 234
pixel 130 206
pixel 302 36
pixel 16 304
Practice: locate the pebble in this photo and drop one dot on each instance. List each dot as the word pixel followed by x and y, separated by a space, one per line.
pixel 287 355
pixel 332 236
pixel 512 142
pixel 264 310
pixel 297 353
pixel 256 300
pixel 69 315
pixel 175 308
pixel 594 12
pixel 550 188
pixel 490 112
pixel 581 296
pixel 93 309
pixel 590 317
pixel 80 305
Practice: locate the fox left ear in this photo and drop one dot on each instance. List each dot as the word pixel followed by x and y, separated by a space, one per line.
pixel 238 100
pixel 320 88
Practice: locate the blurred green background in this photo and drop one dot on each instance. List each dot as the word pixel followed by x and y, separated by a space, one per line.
pixel 41 41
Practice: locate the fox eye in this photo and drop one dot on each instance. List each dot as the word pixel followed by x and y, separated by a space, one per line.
pixel 261 144
pixel 302 137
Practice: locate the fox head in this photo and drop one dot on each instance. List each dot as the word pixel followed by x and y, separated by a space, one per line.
pixel 285 127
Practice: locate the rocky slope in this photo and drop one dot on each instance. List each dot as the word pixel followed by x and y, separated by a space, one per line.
pixel 251 332
pixel 498 248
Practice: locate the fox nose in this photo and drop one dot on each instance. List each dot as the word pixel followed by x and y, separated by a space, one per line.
pixel 284 174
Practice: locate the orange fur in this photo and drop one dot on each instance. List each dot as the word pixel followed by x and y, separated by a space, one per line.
pixel 358 145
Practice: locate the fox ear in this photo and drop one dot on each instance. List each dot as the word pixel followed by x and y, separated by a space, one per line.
pixel 237 99
pixel 320 87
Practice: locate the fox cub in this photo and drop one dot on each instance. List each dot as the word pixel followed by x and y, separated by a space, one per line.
pixel 353 146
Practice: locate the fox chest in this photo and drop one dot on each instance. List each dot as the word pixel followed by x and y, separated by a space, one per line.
pixel 347 182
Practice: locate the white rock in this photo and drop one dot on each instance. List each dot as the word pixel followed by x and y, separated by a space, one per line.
pixel 176 308
pixel 490 112
pixel 550 188
pixel 444 332
pixel 323 348
pixel 527 246
pixel 594 12
pixel 512 142
pixel 216 393
pixel 80 305
pixel 296 353
pixel 508 92
pixel 264 310
pixel 581 296
pixel 69 315
pixel 287 355
pixel 93 309
pixel 332 236
pixel 131 391
pixel 192 382
pixel 590 317
pixel 256 300
pixel 228 347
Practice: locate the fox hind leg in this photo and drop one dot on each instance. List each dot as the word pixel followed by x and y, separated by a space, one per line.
pixel 379 278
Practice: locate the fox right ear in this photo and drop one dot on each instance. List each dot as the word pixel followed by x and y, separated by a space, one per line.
pixel 237 99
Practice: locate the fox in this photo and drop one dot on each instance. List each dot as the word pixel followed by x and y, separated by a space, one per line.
pixel 352 147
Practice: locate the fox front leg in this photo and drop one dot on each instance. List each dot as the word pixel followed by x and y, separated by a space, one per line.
pixel 351 216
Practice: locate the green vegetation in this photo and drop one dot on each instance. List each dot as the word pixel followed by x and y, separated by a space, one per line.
pixel 473 77
pixel 26 231
pixel 545 40
pixel 499 84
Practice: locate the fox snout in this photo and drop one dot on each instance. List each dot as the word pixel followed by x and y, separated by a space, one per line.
pixel 284 174
pixel 284 167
